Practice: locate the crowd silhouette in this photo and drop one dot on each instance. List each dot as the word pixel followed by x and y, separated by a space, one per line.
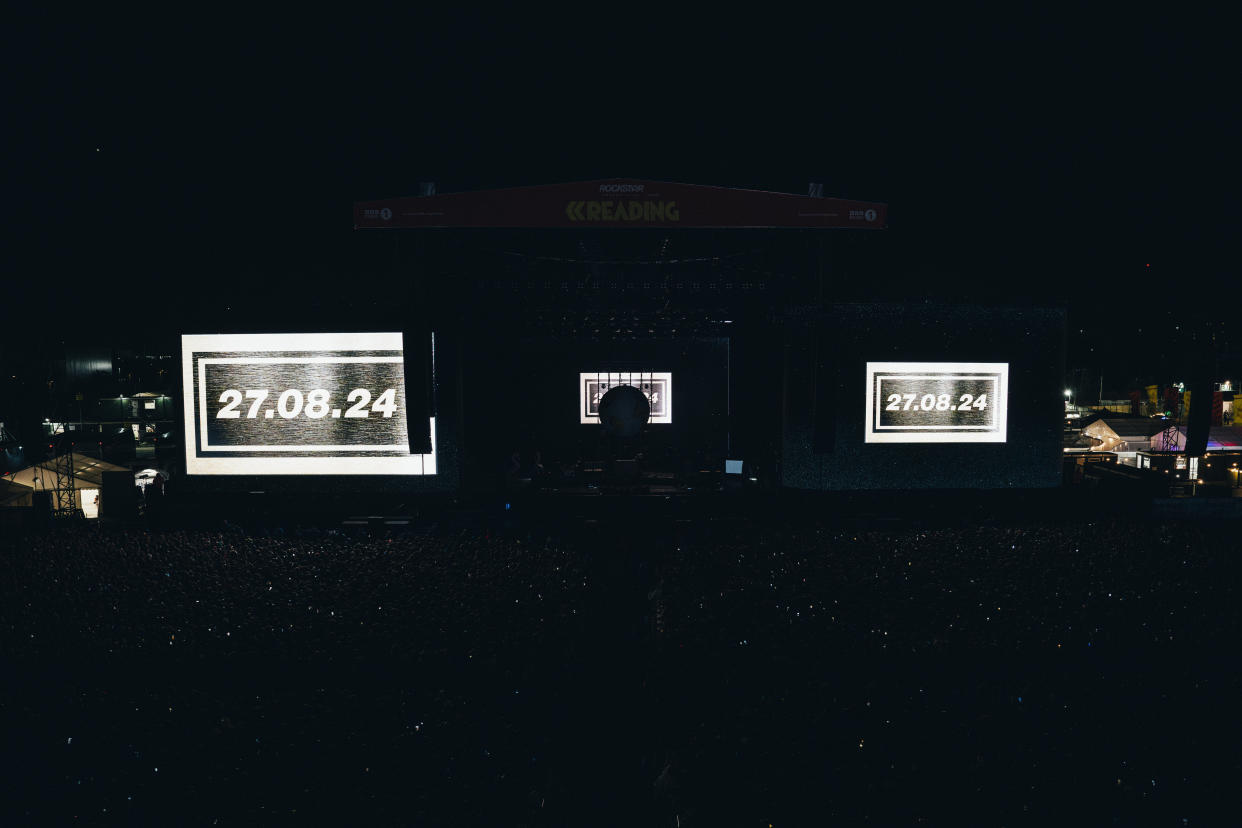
pixel 717 672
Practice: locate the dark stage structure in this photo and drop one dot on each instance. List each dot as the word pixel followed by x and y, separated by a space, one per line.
pixel 556 293
pixel 501 319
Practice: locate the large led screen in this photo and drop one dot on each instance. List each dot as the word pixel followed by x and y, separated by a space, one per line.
pixel 936 402
pixel 298 404
pixel 657 386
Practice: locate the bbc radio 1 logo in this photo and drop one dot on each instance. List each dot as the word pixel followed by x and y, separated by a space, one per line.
pixel 382 213
pixel 863 215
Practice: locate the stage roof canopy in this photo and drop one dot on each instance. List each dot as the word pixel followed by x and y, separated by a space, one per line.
pixel 621 203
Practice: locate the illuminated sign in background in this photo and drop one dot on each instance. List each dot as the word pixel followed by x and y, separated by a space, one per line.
pixel 298 404
pixel 936 402
pixel 657 386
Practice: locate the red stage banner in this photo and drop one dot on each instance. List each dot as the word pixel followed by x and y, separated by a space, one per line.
pixel 620 202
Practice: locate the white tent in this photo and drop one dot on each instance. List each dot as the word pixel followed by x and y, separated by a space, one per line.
pixel 87 479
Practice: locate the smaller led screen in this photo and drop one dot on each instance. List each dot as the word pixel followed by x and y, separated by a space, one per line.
pixel 657 386
pixel 936 402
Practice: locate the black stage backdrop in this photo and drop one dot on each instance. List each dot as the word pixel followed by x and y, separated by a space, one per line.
pixel 524 397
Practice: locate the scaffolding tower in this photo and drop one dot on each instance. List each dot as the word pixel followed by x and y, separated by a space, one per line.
pixel 1171 438
pixel 60 467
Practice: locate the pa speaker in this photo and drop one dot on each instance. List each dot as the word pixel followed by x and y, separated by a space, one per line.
pixel 118 496
pixel 41 507
pixel 416 342
pixel 1200 420
pixel 824 405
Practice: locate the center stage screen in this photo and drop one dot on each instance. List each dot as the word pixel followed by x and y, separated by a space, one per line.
pixel 658 387
pixel 936 402
pixel 298 404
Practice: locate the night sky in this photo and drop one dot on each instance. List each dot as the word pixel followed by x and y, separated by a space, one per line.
pixel 1080 163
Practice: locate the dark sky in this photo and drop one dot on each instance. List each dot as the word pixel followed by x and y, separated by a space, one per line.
pixel 1055 160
